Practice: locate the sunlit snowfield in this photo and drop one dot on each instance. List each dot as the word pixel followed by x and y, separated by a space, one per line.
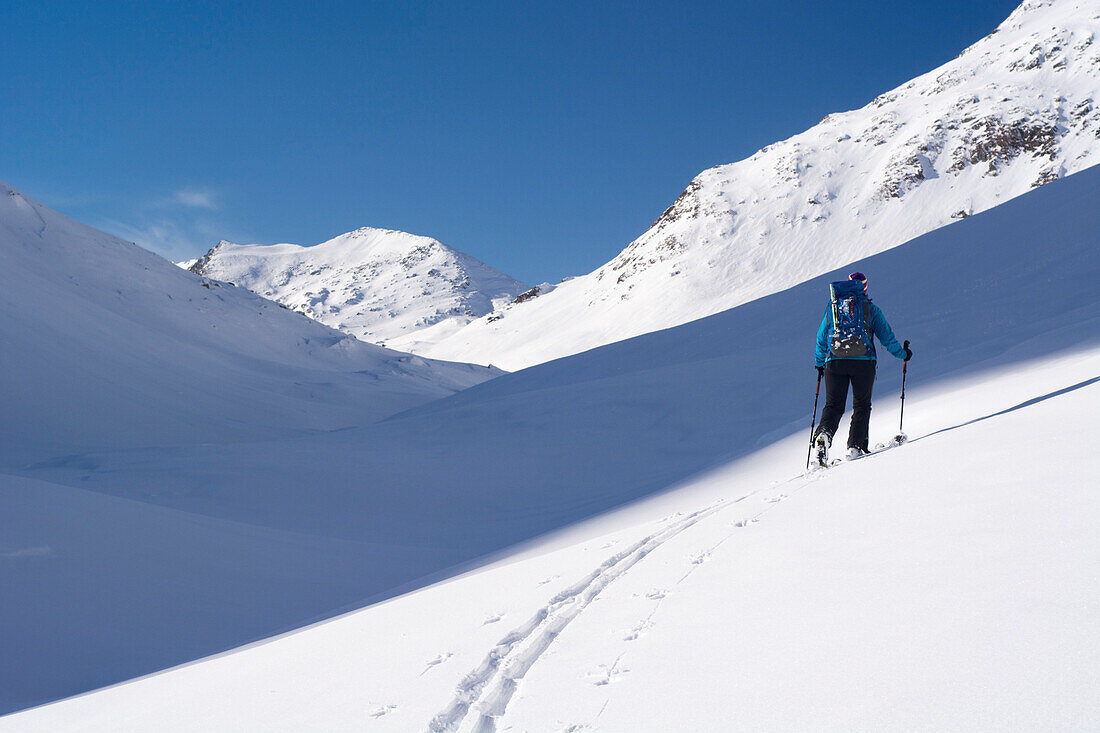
pixel 956 568
pixel 219 514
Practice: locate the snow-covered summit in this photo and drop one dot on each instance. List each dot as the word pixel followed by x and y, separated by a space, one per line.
pixel 1015 110
pixel 107 344
pixel 379 285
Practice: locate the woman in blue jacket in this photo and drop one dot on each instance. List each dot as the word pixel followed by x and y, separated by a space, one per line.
pixel 859 371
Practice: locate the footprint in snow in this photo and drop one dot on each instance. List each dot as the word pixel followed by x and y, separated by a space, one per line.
pixel 744 522
pixel 773 499
pixel 605 675
pixel 381 710
pixel 656 594
pixel 492 619
pixel 551 579
pixel 636 632
pixel 437 660
pixel 440 658
pixel 700 557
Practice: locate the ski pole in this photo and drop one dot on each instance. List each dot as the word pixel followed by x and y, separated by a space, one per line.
pixel 813 420
pixel 904 369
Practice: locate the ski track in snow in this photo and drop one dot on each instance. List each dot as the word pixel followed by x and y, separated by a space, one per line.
pixel 482 697
pixel 701 556
pixel 607 673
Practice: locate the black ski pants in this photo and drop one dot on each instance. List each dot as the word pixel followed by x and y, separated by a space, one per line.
pixel 838 374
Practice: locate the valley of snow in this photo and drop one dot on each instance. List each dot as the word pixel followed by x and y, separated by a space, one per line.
pixel 936 587
pixel 107 344
pixel 1015 110
pixel 109 347
pixel 378 285
pixel 947 584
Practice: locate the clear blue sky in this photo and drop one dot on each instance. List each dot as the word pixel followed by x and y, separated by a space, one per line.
pixel 539 137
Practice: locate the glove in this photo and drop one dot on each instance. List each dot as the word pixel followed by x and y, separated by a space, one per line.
pixel 820 371
pixel 908 351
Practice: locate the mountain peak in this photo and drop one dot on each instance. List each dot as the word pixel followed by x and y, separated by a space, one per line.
pixel 196 355
pixel 379 285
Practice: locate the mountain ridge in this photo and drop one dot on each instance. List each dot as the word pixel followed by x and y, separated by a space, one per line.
pixel 1013 111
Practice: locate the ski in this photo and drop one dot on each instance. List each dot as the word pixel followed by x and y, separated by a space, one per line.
pixel 821 462
pixel 894 442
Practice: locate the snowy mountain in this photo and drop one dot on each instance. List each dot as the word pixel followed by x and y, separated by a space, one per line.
pixel 106 344
pixel 379 285
pixel 1015 110
pixel 945 584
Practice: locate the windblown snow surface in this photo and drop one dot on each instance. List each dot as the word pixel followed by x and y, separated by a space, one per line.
pixel 379 285
pixel 948 584
pixel 1014 111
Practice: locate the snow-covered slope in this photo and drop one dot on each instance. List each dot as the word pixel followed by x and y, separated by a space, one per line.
pixel 379 285
pixel 935 587
pixel 1015 110
pixel 106 344
pixel 1003 312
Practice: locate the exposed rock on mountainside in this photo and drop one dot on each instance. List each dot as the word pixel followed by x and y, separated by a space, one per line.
pixel 1014 111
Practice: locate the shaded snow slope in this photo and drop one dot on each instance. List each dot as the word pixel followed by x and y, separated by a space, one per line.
pixel 1015 110
pixel 379 285
pixel 96 586
pixel 933 587
pixel 534 451
pixel 106 344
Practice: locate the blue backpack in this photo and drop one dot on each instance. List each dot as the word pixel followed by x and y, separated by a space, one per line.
pixel 851 320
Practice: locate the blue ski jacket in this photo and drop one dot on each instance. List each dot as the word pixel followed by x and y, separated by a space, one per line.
pixel 879 327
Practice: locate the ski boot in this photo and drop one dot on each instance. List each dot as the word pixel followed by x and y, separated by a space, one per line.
pixel 856 452
pixel 821 449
